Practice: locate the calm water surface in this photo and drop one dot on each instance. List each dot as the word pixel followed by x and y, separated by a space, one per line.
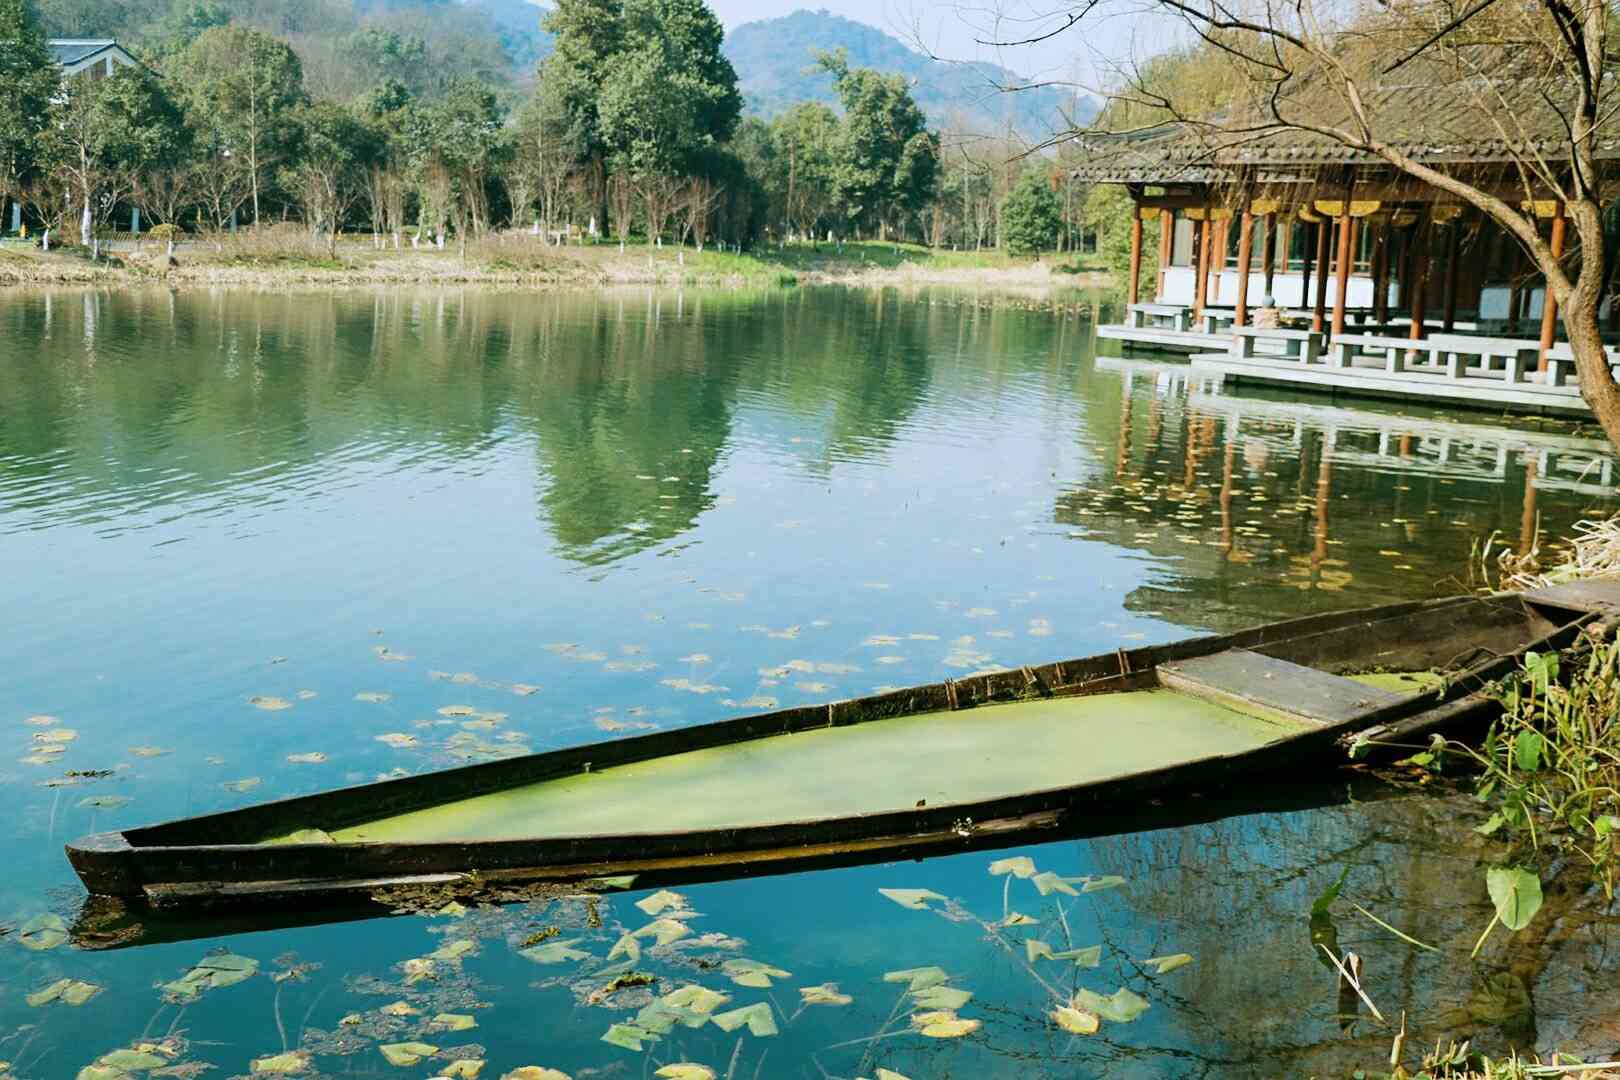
pixel 582 515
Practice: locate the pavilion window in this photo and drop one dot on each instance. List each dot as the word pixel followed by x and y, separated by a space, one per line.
pixel 1181 247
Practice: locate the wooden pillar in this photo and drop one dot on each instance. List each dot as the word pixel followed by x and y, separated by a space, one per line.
pixel 1245 253
pixel 1549 306
pixel 1217 258
pixel 1167 233
pixel 1133 287
pixel 1341 287
pixel 1319 317
pixel 1420 278
pixel 1269 256
pixel 1305 274
pixel 1381 276
pixel 1453 241
pixel 1201 264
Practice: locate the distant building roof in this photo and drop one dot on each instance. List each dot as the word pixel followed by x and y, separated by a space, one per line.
pixel 76 54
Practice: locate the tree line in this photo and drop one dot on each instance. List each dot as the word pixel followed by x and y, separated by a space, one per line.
pixel 633 126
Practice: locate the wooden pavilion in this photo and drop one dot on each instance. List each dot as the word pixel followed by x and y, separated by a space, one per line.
pixel 1341 237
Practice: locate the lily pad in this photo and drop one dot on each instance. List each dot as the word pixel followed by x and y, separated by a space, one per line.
pixel 825 994
pixel 398 740
pixel 131 1060
pixel 1516 893
pixel 555 952
pixel 1018 918
pixel 269 703
pixel 745 972
pixel 1088 957
pixel 947 1025
pixel 242 786
pixel 1097 884
pixel 916 899
pixel 293 1061
pixel 453 1022
pixel 1076 1021
pixel 626 946
pixel 43 932
pixel 699 999
pixel 1165 964
pixel 211 973
pixel 406 1053
pixel 685 1070
pixel 464 1069
pixel 373 697
pixel 1121 1007
pixel 889 1074
pixel 104 802
pixel 661 901
pixel 149 751
pixel 1021 866
pixel 1035 948
pixel 663 931
pixel 68 991
pixel 533 1072
pixel 628 1036
pixel 760 1019
pixel 399 1008
pixel 1049 883
pixel 452 950
pixel 920 978
pixel 314 757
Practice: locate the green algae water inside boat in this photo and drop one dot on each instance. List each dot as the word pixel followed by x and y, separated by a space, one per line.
pixel 977 761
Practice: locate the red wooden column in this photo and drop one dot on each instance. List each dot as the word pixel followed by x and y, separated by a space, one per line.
pixel 1134 286
pixel 1167 232
pixel 1549 306
pixel 1319 317
pixel 1420 278
pixel 1269 257
pixel 1217 257
pixel 1341 287
pixel 1201 286
pixel 1453 241
pixel 1245 254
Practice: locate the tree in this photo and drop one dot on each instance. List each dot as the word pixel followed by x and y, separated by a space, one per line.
pixel 806 138
pixel 542 156
pixel 390 111
pixel 1538 78
pixel 588 37
pixel 889 161
pixel 245 87
pixel 1031 214
pixel 337 150
pixel 28 81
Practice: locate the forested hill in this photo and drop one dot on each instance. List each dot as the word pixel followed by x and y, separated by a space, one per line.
pixel 775 69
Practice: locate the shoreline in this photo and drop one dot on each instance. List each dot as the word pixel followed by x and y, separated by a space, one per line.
pixel 598 267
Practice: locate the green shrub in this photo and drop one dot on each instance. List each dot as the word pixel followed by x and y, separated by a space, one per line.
pixel 1031 215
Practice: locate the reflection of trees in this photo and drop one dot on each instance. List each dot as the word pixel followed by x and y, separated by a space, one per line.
pixel 1267 510
pixel 1236 894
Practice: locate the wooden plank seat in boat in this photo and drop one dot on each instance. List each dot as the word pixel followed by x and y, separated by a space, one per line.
pixel 1252 683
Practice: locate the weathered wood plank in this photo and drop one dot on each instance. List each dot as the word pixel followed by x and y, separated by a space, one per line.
pixel 1249 682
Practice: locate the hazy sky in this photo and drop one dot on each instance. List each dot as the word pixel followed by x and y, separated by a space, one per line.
pixel 955 29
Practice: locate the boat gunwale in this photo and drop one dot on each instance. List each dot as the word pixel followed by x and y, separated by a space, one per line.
pixel 113 859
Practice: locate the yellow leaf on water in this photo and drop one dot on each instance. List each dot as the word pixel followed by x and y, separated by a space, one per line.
pixel 1076 1021
pixel 758 1016
pixel 941 997
pixel 49 993
pixel 698 999
pixel 919 978
pixel 452 950
pixel 406 1053
pixel 464 1069
pixel 660 901
pixel 889 1074
pixel 397 739
pixel 952 1029
pixel 1018 918
pixel 294 1061
pixel 269 703
pixel 1167 964
pixel 453 1022
pixel 1035 948
pixel 916 899
pixel 663 931
pixel 534 1072
pixel 1049 883
pixel 825 994
pixel 314 757
pixel 1018 866
pixel 399 1008
pixel 685 1070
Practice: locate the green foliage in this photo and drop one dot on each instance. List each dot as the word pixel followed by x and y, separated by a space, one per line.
pixel 28 82
pixel 1107 213
pixel 888 160
pixel 1030 214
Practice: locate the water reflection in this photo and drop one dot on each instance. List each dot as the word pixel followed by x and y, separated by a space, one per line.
pixel 588 514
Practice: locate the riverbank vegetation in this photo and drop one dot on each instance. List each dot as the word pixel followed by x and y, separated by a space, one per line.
pixel 632 133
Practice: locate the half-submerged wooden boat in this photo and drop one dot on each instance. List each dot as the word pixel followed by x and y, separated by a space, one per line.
pixel 958 763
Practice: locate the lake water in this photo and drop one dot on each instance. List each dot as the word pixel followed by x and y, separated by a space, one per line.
pixel 259 544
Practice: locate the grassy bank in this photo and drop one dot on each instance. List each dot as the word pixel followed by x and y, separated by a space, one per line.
pixel 517 259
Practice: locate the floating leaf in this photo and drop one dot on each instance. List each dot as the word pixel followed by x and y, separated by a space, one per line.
pixel 1516 892
pixel 555 952
pixel 916 899
pixel 399 1008
pixel 1322 904
pixel 417 968
pixel 1097 884
pixel 211 973
pixel 745 972
pixel 49 994
pixel 758 1016
pixel 889 1074
pixel 626 946
pixel 149 751
pixel 453 1022
pixel 685 1070
pixel 102 1072
pixel 663 931
pixel 1035 948
pixel 919 978
pixel 104 802
pixel 628 1036
pixel 56 736
pixel 406 1053
pixel 452 950
pixel 1018 918
pixel 1049 883
pixel 1088 957
pixel 1076 1021
pixel 373 697
pixel 43 932
pixel 314 757
pixel 825 994
pixel 397 739
pixel 242 786
pixel 953 1028
pixel 941 997
pixel 532 1072
pixel 524 689
pixel 294 1061
pixel 131 1060
pixel 1021 866
pixel 1167 964
pixel 268 703
pixel 697 999
pixel 464 1069
pixel 1122 1006
pixel 662 900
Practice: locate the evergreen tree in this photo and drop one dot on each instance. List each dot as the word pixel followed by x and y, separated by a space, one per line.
pixel 29 78
pixel 889 161
pixel 1031 214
